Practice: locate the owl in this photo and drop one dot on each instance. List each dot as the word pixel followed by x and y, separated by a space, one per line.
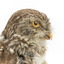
pixel 23 41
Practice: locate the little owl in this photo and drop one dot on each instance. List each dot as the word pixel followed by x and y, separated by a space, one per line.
pixel 23 41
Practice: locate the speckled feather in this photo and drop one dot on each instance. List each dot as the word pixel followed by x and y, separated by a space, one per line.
pixel 22 43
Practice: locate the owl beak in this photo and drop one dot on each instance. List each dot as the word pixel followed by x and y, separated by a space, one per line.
pixel 49 36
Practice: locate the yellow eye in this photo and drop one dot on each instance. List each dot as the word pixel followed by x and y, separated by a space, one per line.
pixel 35 24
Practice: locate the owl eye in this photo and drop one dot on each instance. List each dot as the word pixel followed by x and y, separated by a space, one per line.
pixel 35 24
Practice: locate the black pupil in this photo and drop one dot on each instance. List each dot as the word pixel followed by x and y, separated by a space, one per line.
pixel 35 23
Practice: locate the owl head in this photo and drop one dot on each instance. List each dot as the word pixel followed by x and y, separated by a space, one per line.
pixel 29 23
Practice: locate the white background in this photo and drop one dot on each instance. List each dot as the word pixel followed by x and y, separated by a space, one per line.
pixel 54 10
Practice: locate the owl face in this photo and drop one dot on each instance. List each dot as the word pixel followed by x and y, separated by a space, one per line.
pixel 29 23
pixel 33 27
